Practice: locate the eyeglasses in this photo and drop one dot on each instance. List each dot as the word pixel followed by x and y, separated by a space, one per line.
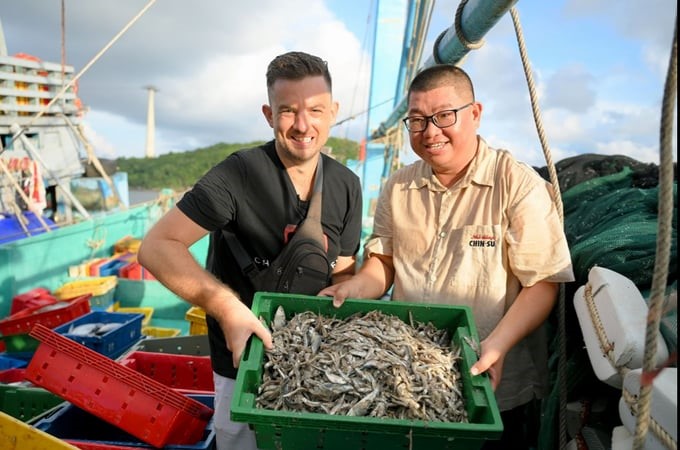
pixel 441 119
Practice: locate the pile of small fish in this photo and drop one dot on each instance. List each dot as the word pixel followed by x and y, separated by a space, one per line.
pixel 371 364
pixel 93 329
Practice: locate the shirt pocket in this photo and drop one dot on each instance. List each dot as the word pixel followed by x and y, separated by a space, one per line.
pixel 476 253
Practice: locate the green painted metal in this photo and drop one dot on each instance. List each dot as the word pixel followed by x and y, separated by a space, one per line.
pixel 44 259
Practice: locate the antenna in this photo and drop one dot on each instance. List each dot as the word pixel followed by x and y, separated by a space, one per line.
pixel 150 124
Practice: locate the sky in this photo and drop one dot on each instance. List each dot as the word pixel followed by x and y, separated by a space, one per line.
pixel 599 67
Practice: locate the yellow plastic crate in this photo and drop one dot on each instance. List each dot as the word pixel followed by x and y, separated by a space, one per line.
pixel 101 288
pixel 160 332
pixel 196 318
pixel 17 435
pixel 127 244
pixel 95 286
pixel 146 310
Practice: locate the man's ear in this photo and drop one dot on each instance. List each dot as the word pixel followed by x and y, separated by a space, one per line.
pixel 268 114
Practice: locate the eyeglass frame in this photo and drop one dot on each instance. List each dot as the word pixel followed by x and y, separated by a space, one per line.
pixel 431 118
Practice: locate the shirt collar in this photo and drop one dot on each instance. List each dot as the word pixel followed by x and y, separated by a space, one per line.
pixel 481 171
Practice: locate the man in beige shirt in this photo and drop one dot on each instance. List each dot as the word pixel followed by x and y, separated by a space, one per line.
pixel 470 225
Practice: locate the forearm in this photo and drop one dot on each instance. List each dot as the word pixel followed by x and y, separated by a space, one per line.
pixel 530 309
pixel 375 276
pixel 176 268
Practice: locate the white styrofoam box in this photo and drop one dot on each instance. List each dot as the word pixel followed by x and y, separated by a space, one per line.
pixel 623 314
pixel 622 439
pixel 664 405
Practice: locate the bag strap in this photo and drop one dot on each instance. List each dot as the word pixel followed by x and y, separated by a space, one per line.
pixel 312 228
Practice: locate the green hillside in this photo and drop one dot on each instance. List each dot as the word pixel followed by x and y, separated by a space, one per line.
pixel 180 170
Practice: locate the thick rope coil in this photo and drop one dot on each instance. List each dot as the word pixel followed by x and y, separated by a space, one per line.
pixel 459 29
pixel 470 45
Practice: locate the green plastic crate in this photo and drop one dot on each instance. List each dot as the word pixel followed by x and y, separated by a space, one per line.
pixel 20 343
pixel 195 345
pixel 24 403
pixel 276 430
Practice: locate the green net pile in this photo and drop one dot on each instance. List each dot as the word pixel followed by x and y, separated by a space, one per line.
pixel 610 221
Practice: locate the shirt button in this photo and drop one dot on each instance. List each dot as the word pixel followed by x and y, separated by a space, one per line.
pixel 442 234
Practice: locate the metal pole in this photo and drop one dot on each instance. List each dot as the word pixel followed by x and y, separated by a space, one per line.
pixel 477 18
pixel 33 153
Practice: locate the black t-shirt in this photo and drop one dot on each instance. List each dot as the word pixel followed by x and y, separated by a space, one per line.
pixel 251 195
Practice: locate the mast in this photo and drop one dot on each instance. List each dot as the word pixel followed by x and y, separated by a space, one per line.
pixel 476 19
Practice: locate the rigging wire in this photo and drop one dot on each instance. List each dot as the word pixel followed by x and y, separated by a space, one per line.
pixel 360 69
pixel 87 66
pixel 354 116
pixel 394 137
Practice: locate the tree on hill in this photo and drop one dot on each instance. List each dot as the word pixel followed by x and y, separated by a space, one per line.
pixel 179 171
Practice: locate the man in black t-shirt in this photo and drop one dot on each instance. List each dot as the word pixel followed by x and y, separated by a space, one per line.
pixel 258 194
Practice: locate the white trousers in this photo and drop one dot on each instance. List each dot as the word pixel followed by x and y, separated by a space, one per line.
pixel 230 435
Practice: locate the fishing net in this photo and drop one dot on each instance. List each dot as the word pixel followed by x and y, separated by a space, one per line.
pixel 610 221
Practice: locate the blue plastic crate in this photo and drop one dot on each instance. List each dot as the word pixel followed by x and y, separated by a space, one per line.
pixel 112 267
pixel 9 362
pixel 112 343
pixel 75 425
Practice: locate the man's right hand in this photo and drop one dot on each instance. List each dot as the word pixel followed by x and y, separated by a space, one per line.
pixel 238 323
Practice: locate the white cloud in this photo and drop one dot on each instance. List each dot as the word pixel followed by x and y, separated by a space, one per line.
pixel 208 61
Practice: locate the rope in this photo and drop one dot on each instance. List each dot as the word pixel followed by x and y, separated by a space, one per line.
pixel 92 157
pixel 470 45
pixel 664 436
pixel 606 345
pixel 94 243
pixel 663 243
pixel 74 80
pixel 459 29
pixel 557 198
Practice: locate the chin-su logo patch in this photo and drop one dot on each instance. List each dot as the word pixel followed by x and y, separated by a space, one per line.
pixel 482 240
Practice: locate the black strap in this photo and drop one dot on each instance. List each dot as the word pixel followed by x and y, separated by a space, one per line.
pixel 244 260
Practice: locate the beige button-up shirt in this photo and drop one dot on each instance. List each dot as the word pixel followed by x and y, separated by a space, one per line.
pixel 476 243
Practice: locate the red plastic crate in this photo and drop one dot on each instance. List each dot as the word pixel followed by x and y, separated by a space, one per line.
pixel 93 268
pixel 187 374
pixel 39 296
pixel 12 375
pixel 24 320
pixel 142 406
pixel 135 271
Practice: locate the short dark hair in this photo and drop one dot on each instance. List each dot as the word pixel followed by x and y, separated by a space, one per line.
pixel 440 75
pixel 296 66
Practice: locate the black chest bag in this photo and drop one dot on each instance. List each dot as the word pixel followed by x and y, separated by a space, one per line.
pixel 302 267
